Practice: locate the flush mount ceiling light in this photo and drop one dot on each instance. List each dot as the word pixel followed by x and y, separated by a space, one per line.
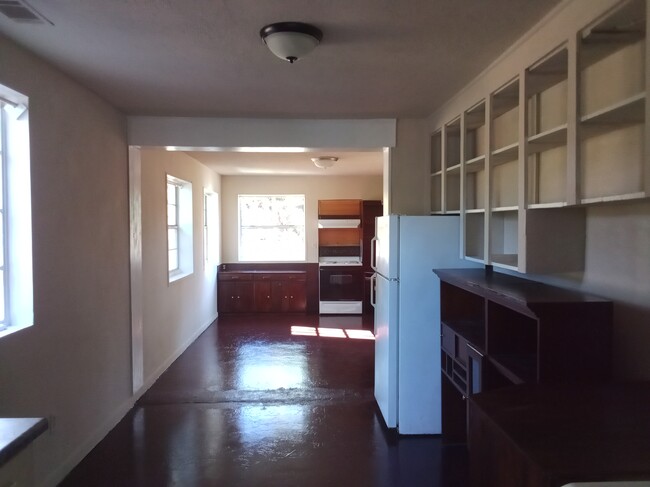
pixel 291 40
pixel 324 162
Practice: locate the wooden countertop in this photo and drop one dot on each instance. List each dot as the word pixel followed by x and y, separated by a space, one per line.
pixel 262 272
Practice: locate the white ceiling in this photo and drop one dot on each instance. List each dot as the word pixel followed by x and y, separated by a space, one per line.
pixel 350 163
pixel 378 58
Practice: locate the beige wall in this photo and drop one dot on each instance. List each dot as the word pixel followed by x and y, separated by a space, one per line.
pixel 173 313
pixel 618 266
pixel 408 174
pixel 74 364
pixel 314 188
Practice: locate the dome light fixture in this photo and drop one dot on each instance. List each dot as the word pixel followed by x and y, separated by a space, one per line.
pixel 291 40
pixel 324 162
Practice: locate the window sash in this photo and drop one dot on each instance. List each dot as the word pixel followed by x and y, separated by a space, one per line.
pixel 4 270
pixel 172 227
pixel 272 228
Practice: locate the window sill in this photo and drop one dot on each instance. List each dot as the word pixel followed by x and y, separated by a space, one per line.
pixel 13 329
pixel 177 276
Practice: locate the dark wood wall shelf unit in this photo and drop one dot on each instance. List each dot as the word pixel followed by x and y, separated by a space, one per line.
pixel 499 330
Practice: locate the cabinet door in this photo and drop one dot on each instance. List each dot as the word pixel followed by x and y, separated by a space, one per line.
pixel 236 296
pixel 296 291
pixel 245 297
pixel 263 301
pixel 290 295
pixel 339 208
pixel 227 294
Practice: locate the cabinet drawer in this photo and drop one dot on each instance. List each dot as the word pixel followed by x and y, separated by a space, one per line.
pixel 266 277
pixel 235 276
pixel 280 276
pixel 295 277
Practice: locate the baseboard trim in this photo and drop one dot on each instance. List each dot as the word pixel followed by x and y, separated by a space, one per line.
pixel 148 382
pixel 56 476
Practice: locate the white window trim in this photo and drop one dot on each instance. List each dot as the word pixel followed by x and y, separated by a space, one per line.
pixel 17 221
pixel 185 226
pixel 211 229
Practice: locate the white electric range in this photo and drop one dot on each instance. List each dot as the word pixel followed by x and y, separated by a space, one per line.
pixel 340 285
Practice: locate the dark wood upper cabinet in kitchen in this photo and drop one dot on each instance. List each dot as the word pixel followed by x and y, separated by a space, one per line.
pixel 339 208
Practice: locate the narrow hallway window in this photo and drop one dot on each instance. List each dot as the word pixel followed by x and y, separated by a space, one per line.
pixel 180 255
pixel 16 280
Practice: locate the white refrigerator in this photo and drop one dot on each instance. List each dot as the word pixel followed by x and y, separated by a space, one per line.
pixel 406 298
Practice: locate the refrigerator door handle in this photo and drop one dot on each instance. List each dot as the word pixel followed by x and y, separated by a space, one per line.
pixel 373 256
pixel 373 290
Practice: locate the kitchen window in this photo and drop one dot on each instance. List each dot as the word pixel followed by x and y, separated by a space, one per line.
pixel 272 228
pixel 180 260
pixel 16 282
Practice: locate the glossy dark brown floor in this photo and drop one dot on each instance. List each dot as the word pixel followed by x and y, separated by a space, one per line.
pixel 250 404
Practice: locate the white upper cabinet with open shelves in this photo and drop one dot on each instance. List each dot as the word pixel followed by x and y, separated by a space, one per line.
pixel 451 152
pixel 568 130
pixel 613 133
pixel 547 130
pixel 504 114
pixel 444 160
pixel 474 172
pixel 435 163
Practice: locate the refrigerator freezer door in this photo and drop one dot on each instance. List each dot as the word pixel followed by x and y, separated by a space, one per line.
pixel 386 348
pixel 387 245
pixel 426 242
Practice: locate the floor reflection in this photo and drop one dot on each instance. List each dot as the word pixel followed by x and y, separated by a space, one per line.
pixel 264 426
pixel 269 366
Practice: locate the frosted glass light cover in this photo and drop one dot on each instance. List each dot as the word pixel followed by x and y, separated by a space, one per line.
pixel 290 46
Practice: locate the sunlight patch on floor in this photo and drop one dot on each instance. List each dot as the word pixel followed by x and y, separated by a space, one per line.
pixel 332 332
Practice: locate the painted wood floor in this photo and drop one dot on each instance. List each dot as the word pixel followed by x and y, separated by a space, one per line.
pixel 251 404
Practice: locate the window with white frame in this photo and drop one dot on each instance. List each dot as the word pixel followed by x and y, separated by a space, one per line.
pixel 180 259
pixel 210 228
pixel 16 281
pixel 272 228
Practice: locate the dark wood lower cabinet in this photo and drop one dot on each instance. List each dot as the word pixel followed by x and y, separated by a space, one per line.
pixel 262 292
pixel 537 435
pixel 235 296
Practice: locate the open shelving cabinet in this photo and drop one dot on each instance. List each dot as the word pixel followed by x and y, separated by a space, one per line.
pixel 567 131
pixel 547 127
pixel 435 165
pixel 613 72
pixel 452 151
pixel 474 180
pixel 500 330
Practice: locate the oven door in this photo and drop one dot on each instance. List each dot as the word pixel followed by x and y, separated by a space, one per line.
pixel 344 283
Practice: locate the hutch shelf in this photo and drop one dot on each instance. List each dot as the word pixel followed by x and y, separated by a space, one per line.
pixel 500 330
